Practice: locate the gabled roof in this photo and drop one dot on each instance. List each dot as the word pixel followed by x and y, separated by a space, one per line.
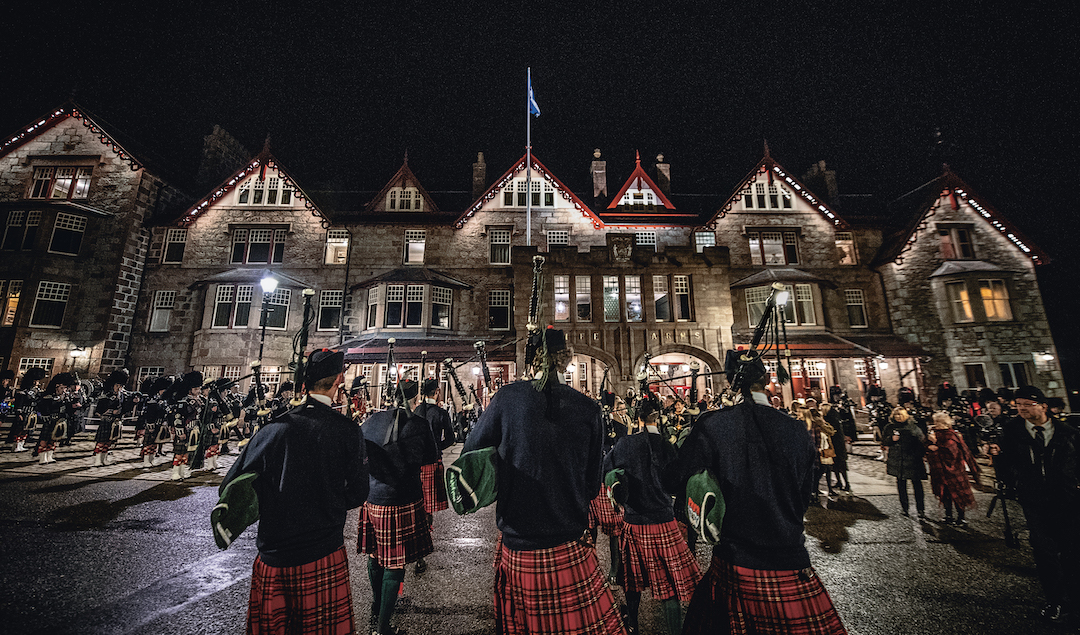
pixel 260 162
pixel 640 180
pixel 920 203
pixel 541 172
pixel 252 275
pixel 769 168
pixel 413 274
pixel 404 177
pixel 779 274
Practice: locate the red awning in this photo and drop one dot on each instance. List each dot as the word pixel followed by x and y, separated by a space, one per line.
pixel 827 345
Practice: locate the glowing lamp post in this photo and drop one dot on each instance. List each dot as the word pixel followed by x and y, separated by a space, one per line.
pixel 269 285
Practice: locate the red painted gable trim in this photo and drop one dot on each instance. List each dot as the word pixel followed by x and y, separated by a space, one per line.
pixel 639 173
pixel 35 129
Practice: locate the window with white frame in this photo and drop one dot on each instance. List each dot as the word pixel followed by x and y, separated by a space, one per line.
pixel 337 246
pixel 756 299
pixel 60 183
pixel 1013 374
pixel 146 372
pixel 773 247
pixel 703 240
pixel 995 299
pixel 860 367
pixel 955 243
pixel 645 239
pixel 762 196
pixel 395 305
pixel 561 297
pixel 21 230
pixel 258 246
pixel 799 309
pixel 277 308
pixel 441 299
pixel 515 194
pixel 175 241
pixel 499 243
pixel 404 199
pixel 661 299
pixel 373 307
pixel 271 376
pixel 67 234
pixel 161 311
pixel 257 191
pixel 959 301
pixel 44 363
pixel 815 368
pixel 231 372
pixel 414 246
pixel 845 249
pixel 50 304
pixel 10 305
pixel 611 298
pixel 499 310
pixel 633 299
pixel 558 237
pixel 330 302
pixel 583 293
pixel 232 306
pixel 414 305
pixel 683 310
pixel 856 308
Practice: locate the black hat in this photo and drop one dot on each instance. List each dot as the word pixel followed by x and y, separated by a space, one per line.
pixel 947 391
pixel 147 385
pixel 408 388
pixel 32 375
pixel 60 379
pixel 429 387
pixel 117 377
pixel 749 364
pixel 607 399
pixel 160 383
pixel 285 386
pixel 551 336
pixel 1055 402
pixel 875 391
pixel 194 379
pixel 322 364
pixel 1030 392
pixel 1005 393
pixel 905 395
pixel 7 374
pixel 645 409
pixel 358 383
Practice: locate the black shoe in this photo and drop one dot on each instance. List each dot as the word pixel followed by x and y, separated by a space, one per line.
pixel 905 513
pixel 421 566
pixel 922 514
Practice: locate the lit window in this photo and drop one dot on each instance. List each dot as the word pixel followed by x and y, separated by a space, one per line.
pixel 703 240
pixel 44 363
pixel 60 183
pixel 163 306
pixel 562 298
pixel 499 310
pixel 277 308
pixel 21 230
pixel 955 243
pixel 50 304
pixel 395 305
pixel 959 301
pixel 645 239
pixel 583 292
pixel 441 299
pixel 773 248
pixel 270 191
pixel 803 301
pixel 633 298
pixel 258 246
pixel 995 297
pixel 67 234
pixel 330 301
pixel 404 199
pixel 499 241
pixel 337 246
pixel 146 372
pixel 232 306
pixel 845 248
pixel 175 240
pixel 756 299
pixel 815 368
pixel 10 302
pixel 558 237
pixel 414 305
pixel 414 246
pixel 860 367
pixel 682 298
pixel 611 298
pixel 856 308
pixel 661 299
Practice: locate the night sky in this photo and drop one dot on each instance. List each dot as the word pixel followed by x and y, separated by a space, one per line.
pixel 883 94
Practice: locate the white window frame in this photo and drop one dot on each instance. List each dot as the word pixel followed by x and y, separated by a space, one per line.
pixel 661 293
pixel 395 293
pixel 499 244
pixel 330 299
pixel 279 298
pixel 404 199
pixel 371 320
pixel 703 240
pixel 244 235
pixel 415 246
pixel 233 295
pixel 680 288
pixel 44 363
pixel 174 236
pixel 853 298
pixel 24 221
pixel 264 192
pixel 561 297
pixel 146 372
pixel 337 246
pixel 582 289
pixel 499 299
pixel 959 299
pixel 558 237
pixel 645 239
pixel 69 223
pixel 756 300
pixel 611 306
pixel 442 297
pixel 845 248
pixel 48 291
pixel 161 311
pixel 414 299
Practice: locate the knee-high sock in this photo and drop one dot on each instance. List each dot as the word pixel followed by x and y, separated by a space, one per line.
pixel 392 579
pixel 633 603
pixel 375 576
pixel 616 559
pixel 672 615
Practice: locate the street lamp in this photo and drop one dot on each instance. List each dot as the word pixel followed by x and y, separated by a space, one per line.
pixel 269 285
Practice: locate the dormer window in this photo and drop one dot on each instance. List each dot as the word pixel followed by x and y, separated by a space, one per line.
pixel 404 199
pixel 515 194
pixel 60 182
pixel 762 196
pixel 270 191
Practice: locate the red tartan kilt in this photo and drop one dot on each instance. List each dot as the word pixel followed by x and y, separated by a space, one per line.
pixel 432 480
pixel 743 601
pixel 396 534
pixel 310 598
pixel 657 557
pixel 603 515
pixel 556 590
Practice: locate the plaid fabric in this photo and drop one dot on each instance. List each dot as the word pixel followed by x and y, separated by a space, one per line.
pixel 214 450
pixel 395 534
pixel 310 598
pixel 148 449
pixel 433 481
pixel 603 515
pixel 948 476
pixel 102 447
pixel 742 601
pixel 656 556
pixel 46 446
pixel 180 459
pixel 556 590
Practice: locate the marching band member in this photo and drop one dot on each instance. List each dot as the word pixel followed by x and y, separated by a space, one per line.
pixel 54 416
pixel 154 415
pixel 25 401
pixel 109 410
pixel 185 420
pixel 432 474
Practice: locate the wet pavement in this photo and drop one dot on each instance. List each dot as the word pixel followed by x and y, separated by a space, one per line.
pixel 120 549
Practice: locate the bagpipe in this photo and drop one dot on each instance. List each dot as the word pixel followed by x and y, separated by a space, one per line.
pixel 467 414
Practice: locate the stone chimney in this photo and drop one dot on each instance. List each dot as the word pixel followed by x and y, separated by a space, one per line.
pixel 599 175
pixel 222 156
pixel 479 176
pixel 663 175
pixel 822 182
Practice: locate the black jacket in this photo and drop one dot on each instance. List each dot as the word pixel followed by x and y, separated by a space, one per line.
pixel 1059 484
pixel 395 465
pixel 906 455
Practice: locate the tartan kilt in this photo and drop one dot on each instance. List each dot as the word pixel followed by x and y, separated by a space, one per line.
pixel 603 515
pixel 657 557
pixel 742 601
pixel 310 598
pixel 432 479
pixel 556 590
pixel 104 430
pixel 396 534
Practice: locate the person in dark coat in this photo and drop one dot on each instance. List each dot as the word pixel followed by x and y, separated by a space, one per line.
pixel 905 442
pixel 24 404
pixel 1038 460
pixel 549 441
pixel 432 475
pixel 843 434
pixel 312 470
pixel 54 417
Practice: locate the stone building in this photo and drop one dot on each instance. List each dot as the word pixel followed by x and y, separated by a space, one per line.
pixel 75 198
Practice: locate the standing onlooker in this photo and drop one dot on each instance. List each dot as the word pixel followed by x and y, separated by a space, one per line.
pixel 905 443
pixel 1039 460
pixel 549 441
pixel 843 434
pixel 950 462
pixel 311 471
pixel 822 435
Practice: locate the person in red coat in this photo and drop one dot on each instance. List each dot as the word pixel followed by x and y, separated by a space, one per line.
pixel 950 461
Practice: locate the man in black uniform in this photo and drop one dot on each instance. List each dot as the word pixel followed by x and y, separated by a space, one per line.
pixel 432 474
pixel 312 470
pixel 1039 460
pixel 24 407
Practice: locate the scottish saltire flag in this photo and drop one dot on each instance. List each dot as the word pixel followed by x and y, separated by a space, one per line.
pixel 534 108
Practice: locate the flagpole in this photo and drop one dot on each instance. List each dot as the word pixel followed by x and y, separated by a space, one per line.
pixel 528 160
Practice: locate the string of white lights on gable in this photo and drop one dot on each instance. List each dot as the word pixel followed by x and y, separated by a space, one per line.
pixel 795 185
pixel 240 176
pixel 506 180
pixel 103 137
